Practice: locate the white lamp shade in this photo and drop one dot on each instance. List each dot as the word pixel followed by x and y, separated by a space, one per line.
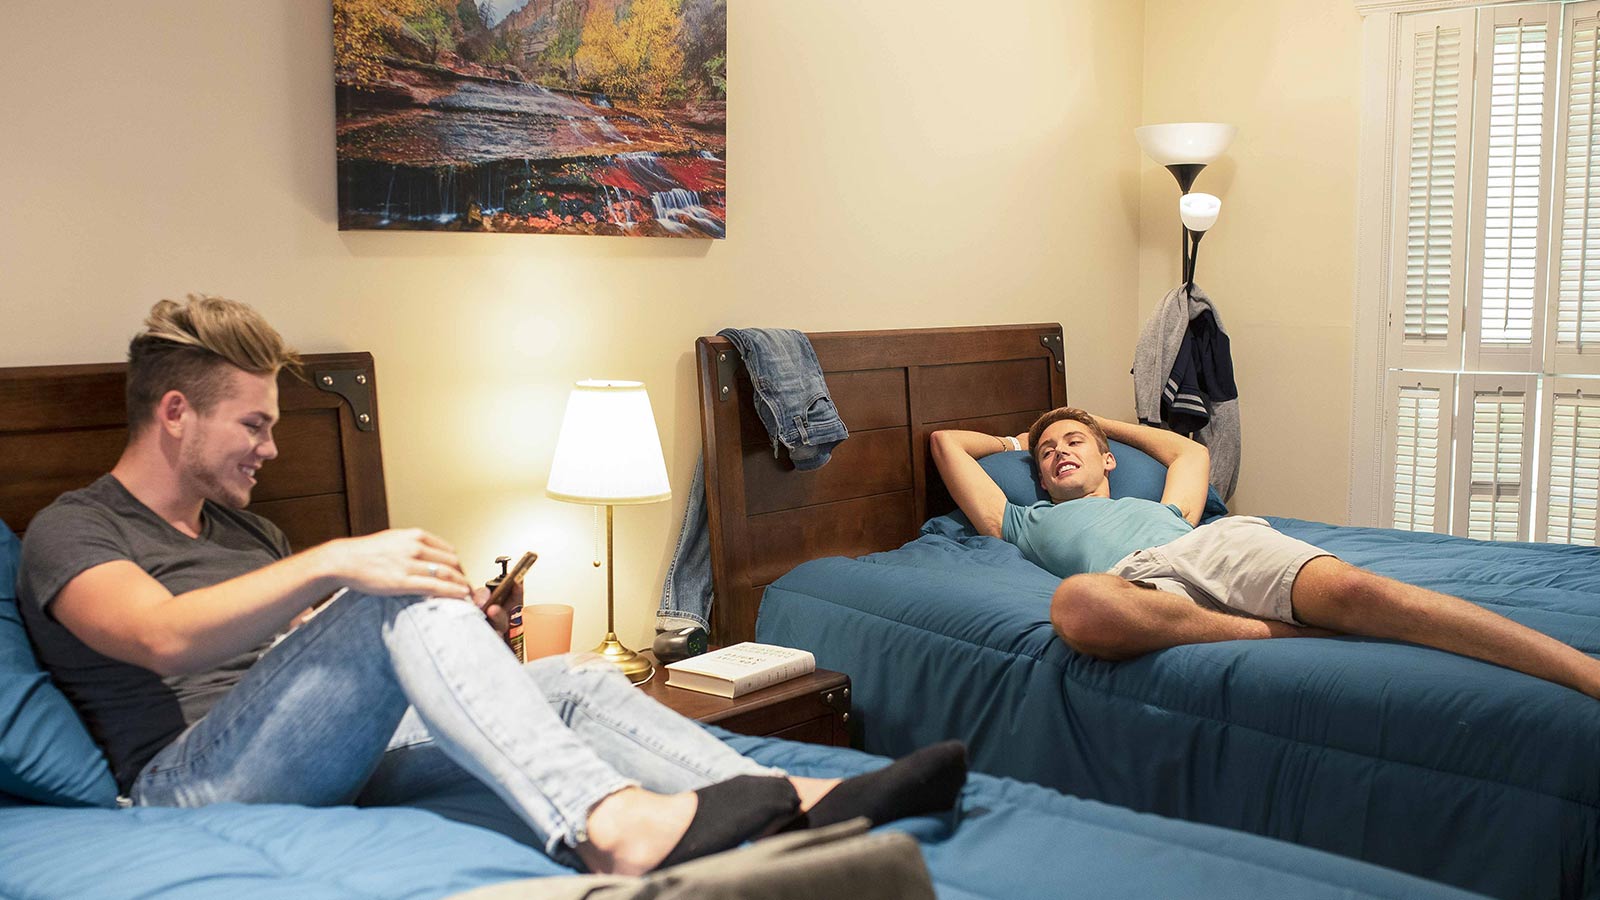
pixel 1179 143
pixel 608 452
pixel 1199 211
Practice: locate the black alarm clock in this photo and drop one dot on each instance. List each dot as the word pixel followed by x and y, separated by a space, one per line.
pixel 682 643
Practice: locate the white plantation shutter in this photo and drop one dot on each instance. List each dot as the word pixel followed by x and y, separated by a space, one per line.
pixel 1569 466
pixel 1513 120
pixel 1488 262
pixel 1418 456
pixel 1494 457
pixel 1573 344
pixel 1433 120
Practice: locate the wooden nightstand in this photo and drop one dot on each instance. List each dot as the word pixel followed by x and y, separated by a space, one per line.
pixel 814 708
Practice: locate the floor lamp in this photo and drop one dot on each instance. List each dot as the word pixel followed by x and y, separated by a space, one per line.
pixel 1186 148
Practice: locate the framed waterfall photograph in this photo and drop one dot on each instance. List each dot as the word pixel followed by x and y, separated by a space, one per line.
pixel 537 116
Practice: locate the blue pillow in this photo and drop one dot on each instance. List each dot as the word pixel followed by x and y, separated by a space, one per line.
pixel 45 753
pixel 1137 475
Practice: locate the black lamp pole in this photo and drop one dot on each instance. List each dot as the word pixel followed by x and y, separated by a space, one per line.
pixel 1186 173
pixel 1193 256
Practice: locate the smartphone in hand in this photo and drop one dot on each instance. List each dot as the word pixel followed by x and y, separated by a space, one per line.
pixel 502 591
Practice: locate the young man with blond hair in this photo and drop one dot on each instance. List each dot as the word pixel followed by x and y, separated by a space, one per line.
pixel 1139 576
pixel 155 599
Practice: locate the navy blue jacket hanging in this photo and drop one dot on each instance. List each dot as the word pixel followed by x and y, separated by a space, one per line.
pixel 1201 376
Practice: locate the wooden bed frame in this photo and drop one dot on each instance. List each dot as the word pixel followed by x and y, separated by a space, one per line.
pixel 892 388
pixel 62 427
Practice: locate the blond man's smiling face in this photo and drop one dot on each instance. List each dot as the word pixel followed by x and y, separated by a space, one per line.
pixel 226 445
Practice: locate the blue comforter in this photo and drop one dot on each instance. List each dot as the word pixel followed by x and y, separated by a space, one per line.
pixel 1011 840
pixel 1412 758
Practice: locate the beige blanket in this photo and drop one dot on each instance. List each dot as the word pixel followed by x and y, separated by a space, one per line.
pixel 839 861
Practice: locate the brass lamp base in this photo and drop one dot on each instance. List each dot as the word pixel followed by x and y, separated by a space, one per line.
pixel 636 667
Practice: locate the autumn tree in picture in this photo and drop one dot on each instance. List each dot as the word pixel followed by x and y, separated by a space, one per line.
pixel 636 56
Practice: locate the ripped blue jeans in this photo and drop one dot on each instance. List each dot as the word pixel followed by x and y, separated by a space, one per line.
pixel 373 688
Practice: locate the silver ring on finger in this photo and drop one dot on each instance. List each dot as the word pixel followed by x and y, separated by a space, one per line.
pixel 433 570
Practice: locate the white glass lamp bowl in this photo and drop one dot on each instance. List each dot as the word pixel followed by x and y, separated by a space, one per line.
pixel 1199 211
pixel 1185 143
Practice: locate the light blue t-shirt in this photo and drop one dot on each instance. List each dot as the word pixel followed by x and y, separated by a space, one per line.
pixel 1090 534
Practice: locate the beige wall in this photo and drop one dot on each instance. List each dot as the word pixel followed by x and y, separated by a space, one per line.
pixel 891 164
pixel 1281 261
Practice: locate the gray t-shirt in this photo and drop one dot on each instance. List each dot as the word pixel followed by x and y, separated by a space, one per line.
pixel 131 711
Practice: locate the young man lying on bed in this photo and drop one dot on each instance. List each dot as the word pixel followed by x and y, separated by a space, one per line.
pixel 153 599
pixel 1140 576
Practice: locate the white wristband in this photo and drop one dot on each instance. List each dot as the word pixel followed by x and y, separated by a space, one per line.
pixel 1010 442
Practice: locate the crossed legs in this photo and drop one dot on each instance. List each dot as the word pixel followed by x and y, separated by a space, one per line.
pixel 1111 618
pixel 315 717
pixel 599 772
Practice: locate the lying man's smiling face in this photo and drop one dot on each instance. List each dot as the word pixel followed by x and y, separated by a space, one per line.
pixel 1071 463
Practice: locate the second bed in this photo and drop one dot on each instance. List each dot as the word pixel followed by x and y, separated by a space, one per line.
pixel 1409 757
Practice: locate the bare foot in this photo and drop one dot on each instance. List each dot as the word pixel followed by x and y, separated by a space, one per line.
pixel 812 789
pixel 633 830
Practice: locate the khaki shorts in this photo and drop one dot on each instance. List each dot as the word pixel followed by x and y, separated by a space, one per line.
pixel 1238 564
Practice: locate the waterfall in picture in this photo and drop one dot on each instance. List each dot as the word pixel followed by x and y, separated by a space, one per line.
pixel 677 205
pixel 609 130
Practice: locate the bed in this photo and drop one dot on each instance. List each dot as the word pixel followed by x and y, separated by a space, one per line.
pixel 1414 759
pixel 61 835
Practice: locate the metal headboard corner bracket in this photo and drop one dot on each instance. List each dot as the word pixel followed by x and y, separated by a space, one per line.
pixel 1052 342
pixel 727 372
pixel 354 387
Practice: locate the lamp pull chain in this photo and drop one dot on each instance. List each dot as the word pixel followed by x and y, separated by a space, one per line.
pixel 596 553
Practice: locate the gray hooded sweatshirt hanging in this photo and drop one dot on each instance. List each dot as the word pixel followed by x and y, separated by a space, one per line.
pixel 1183 379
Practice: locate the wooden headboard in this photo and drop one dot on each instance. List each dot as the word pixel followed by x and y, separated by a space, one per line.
pixel 61 427
pixel 892 389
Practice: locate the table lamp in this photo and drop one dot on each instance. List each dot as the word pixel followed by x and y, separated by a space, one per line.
pixel 609 454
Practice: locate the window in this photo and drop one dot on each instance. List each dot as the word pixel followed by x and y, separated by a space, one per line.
pixel 1483 402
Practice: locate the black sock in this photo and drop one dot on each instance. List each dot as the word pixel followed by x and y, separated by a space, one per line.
pixel 732 812
pixel 926 781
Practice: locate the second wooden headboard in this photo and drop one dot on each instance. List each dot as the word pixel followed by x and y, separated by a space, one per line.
pixel 892 388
